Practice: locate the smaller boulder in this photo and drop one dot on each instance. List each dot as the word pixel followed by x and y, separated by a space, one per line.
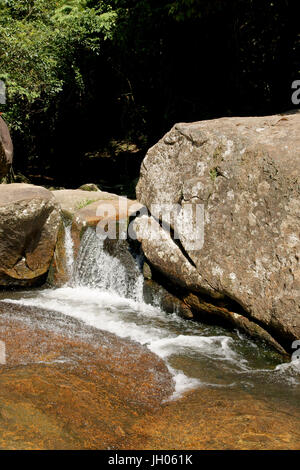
pixel 29 223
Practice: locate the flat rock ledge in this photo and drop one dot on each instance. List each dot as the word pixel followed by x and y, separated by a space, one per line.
pixel 66 385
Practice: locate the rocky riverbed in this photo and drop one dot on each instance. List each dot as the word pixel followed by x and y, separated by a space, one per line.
pixel 69 386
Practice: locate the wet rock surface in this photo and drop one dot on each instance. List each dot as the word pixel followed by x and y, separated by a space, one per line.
pixel 66 385
pixel 69 386
pixel 208 419
pixel 246 173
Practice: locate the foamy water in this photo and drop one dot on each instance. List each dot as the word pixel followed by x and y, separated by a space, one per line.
pixel 124 318
pixel 104 295
pixel 69 246
pixel 165 335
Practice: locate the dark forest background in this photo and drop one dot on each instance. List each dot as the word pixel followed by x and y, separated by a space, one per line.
pixel 91 85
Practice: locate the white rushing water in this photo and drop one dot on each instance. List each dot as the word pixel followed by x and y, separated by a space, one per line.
pixel 69 247
pixel 96 269
pixel 104 294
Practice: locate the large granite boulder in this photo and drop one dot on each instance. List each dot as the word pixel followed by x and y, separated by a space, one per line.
pixel 6 149
pixel 245 172
pixel 29 222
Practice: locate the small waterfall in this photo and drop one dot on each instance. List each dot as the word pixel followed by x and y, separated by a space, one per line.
pixel 106 291
pixel 69 247
pixel 117 273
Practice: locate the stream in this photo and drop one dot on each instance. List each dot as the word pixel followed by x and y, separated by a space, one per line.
pixel 102 294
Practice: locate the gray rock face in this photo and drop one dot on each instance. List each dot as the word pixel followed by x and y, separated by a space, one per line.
pixel 6 149
pixel 246 174
pixel 29 222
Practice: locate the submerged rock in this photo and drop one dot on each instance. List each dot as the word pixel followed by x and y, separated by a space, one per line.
pixel 66 385
pixel 58 274
pixel 246 174
pixel 29 223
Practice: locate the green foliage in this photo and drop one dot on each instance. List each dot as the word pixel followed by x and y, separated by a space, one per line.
pixel 83 73
pixel 213 173
pixel 84 203
pixel 40 41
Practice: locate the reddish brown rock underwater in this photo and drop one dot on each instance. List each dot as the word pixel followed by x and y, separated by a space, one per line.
pixel 67 385
pixel 70 386
pixel 29 222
